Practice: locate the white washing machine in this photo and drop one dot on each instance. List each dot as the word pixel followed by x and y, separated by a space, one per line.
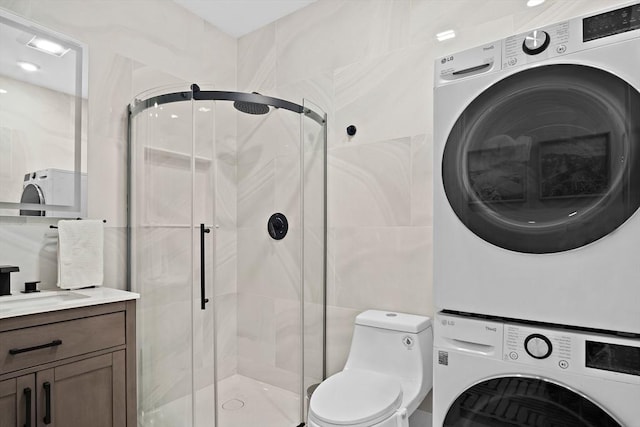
pixel 489 374
pixel 537 175
pixel 54 187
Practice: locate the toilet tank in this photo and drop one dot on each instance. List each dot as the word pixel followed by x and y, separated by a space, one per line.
pixel 396 344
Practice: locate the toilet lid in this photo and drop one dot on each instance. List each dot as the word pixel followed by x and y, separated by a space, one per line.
pixel 356 397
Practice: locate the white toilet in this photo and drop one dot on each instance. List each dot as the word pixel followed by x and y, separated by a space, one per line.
pixel 387 374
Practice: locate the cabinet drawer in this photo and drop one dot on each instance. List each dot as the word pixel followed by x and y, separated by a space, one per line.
pixel 28 347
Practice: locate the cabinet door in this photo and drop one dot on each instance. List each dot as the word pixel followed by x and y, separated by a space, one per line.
pixel 89 392
pixel 17 402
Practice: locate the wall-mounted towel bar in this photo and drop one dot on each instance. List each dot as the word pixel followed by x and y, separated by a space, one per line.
pixel 55 226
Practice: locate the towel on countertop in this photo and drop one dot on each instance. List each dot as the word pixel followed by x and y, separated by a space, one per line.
pixel 80 253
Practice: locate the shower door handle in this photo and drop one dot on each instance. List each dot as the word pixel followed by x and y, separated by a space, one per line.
pixel 203 299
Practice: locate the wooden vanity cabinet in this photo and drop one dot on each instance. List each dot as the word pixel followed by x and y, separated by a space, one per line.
pixel 69 368
pixel 17 401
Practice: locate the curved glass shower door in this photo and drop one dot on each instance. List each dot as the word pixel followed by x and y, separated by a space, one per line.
pixel 231 320
pixel 172 164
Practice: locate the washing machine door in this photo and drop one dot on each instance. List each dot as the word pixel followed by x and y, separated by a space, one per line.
pixel 32 193
pixel 547 159
pixel 523 402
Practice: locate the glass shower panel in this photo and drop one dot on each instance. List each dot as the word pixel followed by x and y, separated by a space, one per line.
pixel 162 268
pixel 265 388
pixel 225 242
pixel 204 237
pixel 313 181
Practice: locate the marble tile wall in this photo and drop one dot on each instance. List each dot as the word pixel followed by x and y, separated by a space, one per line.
pixel 370 63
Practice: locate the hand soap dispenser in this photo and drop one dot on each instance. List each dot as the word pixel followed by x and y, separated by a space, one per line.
pixel 5 278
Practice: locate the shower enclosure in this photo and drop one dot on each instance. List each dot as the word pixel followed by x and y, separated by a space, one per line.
pixel 227 238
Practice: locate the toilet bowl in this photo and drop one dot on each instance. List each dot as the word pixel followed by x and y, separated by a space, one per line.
pixel 387 374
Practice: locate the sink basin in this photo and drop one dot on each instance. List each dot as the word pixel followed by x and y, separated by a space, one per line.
pixel 18 302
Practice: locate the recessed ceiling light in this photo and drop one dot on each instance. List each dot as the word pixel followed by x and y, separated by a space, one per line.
pixel 174 116
pixel 445 35
pixel 534 3
pixel 28 66
pixel 47 46
pixel 3 91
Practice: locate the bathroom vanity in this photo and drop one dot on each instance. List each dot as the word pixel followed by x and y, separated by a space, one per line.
pixel 67 359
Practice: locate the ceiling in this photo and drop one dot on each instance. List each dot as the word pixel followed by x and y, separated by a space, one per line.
pixel 240 17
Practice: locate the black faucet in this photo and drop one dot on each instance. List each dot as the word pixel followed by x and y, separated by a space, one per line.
pixel 5 279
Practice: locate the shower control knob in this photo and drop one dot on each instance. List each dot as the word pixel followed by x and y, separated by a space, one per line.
pixel 277 226
pixel 538 346
pixel 536 42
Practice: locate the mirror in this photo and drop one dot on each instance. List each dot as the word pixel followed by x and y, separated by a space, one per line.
pixel 43 104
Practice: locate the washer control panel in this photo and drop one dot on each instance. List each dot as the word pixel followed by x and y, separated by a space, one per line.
pixel 538 349
pixel 551 348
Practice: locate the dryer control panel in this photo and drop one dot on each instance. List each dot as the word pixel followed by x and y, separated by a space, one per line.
pixel 541 44
pixel 537 45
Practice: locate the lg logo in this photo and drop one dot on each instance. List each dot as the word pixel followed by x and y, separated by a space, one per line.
pixel 446 59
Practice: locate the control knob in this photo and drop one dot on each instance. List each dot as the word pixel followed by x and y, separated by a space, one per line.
pixel 538 346
pixel 535 42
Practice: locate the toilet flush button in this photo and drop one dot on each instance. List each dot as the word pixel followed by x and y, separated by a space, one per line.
pixel 407 341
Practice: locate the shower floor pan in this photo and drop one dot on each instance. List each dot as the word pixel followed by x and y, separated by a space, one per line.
pixel 242 402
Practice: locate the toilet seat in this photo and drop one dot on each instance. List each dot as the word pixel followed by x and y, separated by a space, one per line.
pixel 356 398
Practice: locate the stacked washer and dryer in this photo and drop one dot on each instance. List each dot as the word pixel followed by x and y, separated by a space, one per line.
pixel 537 235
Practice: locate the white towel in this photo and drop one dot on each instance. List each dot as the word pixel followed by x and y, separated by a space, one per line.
pixel 80 253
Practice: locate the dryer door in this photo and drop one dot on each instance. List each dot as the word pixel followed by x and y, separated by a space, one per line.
pixel 32 194
pixel 523 402
pixel 547 159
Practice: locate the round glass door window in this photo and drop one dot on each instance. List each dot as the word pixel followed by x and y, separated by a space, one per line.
pixel 546 160
pixel 32 194
pixel 524 402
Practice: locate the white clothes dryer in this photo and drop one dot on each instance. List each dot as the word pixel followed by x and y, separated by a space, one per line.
pixel 489 374
pixel 537 175
pixel 54 188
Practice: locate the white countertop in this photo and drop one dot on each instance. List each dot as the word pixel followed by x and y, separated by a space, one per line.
pixel 52 300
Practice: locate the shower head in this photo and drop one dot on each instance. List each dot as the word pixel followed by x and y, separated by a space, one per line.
pixel 251 107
